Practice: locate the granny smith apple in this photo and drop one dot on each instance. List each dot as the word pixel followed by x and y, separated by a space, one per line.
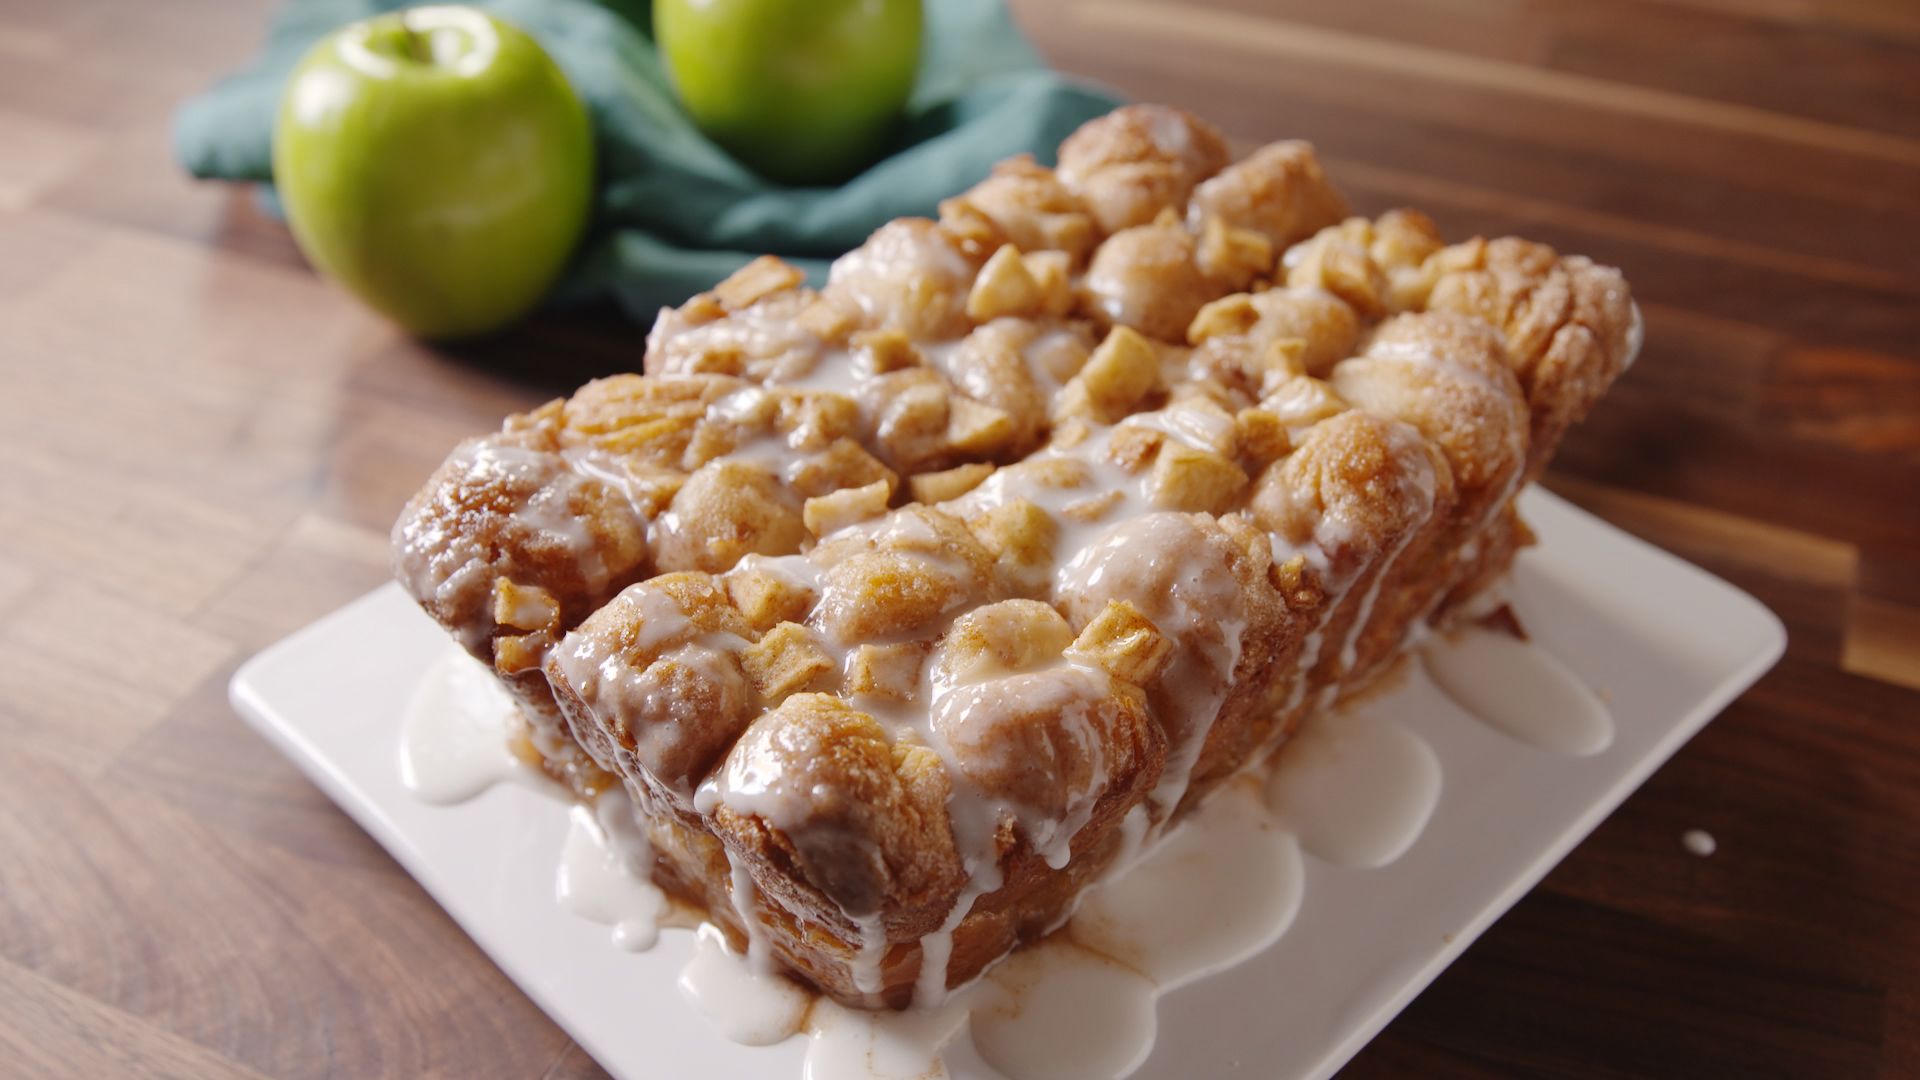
pixel 438 164
pixel 800 92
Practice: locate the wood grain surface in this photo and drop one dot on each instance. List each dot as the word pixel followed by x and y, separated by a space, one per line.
pixel 202 446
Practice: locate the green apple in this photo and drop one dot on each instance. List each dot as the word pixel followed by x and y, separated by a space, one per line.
pixel 437 163
pixel 801 92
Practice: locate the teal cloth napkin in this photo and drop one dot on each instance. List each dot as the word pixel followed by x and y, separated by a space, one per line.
pixel 673 212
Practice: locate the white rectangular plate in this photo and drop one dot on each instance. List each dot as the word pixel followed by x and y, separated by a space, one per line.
pixel 1664 643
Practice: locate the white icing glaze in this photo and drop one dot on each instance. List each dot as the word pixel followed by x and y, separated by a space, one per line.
pixel 849 1045
pixel 1069 693
pixel 1201 612
pixel 1315 640
pixel 936 952
pixel 1135 829
pixel 1082 1003
pixel 1074 505
pixel 974 820
pixel 1059 1012
pixel 873 950
pixel 453 736
pixel 1357 790
pixel 1231 860
pixel 604 872
pixel 746 904
pixel 1521 689
pixel 1699 842
pixel 748 1006
pixel 1349 649
pixel 831 372
pixel 1316 556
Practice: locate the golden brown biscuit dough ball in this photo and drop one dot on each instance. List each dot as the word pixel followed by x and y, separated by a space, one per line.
pixel 725 511
pixel 498 511
pixel 1041 738
pixel 910 275
pixel 1009 363
pixel 1028 206
pixel 1278 191
pixel 1146 278
pixel 1569 323
pixel 863 820
pixel 1138 160
pixel 1356 484
pixel 1447 375
pixel 1237 330
pixel 1191 580
pixel 901 574
pixel 651 684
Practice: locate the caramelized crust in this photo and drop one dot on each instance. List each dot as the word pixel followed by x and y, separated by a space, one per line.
pixel 903 606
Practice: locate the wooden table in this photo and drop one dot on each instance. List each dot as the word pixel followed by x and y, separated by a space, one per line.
pixel 202 446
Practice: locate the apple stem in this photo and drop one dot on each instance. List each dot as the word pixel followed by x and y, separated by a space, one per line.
pixel 418 46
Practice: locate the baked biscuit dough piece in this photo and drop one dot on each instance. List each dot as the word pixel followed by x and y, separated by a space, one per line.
pixel 1036 743
pixel 1203 583
pixel 1205 453
pixel 1447 377
pixel 1147 277
pixel 508 548
pixel 1139 160
pixel 911 275
pixel 653 687
pixel 846 822
pixel 1361 500
pixel 1024 204
pixel 1569 324
pixel 1278 191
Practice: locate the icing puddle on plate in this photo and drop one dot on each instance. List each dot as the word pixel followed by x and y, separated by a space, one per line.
pixel 1350 789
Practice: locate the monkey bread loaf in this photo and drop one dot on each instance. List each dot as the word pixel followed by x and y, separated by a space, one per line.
pixel 904 606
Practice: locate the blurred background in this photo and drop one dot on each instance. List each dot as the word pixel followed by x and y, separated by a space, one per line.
pixel 203 444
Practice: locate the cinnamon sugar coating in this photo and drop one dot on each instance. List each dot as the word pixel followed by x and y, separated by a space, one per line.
pixel 904 604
